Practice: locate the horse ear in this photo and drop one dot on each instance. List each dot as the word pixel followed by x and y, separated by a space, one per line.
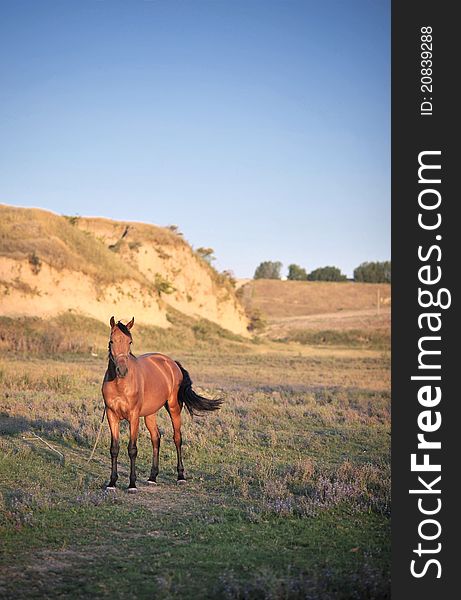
pixel 112 322
pixel 130 324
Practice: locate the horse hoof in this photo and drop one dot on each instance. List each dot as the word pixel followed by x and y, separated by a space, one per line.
pixel 111 488
pixel 132 490
pixel 152 482
pixel 181 481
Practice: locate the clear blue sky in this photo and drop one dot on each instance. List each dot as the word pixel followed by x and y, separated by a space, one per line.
pixel 260 127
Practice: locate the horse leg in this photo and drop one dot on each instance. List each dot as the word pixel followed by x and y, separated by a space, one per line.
pixel 114 424
pixel 133 451
pixel 151 424
pixel 175 414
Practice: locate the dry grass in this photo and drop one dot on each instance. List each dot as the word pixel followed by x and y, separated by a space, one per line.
pixel 71 333
pixel 317 446
pixel 284 299
pixel 138 233
pixel 366 338
pixel 26 233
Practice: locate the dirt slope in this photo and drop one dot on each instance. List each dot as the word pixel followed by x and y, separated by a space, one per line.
pixel 157 252
pixel 51 264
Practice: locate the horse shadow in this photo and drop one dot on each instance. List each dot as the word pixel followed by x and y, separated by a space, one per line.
pixel 51 429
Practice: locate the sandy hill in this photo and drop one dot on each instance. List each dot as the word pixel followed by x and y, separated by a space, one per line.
pixel 295 305
pixel 51 264
pixel 285 299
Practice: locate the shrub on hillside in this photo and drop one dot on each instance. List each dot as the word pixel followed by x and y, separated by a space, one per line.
pixel 35 263
pixel 207 254
pixel 229 276
pixel 297 273
pixel 268 270
pixel 326 274
pixel 73 220
pixel 373 272
pixel 257 321
pixel 162 285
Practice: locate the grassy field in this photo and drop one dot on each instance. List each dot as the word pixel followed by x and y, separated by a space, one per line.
pixel 288 491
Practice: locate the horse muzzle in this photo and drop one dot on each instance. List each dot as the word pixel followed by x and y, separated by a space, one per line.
pixel 121 366
pixel 121 370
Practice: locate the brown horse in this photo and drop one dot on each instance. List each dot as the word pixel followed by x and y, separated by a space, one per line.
pixel 139 387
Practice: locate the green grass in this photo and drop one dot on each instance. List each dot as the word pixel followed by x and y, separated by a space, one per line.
pixel 175 556
pixel 288 492
pixel 356 338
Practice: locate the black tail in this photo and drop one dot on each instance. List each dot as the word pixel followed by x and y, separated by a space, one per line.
pixel 194 403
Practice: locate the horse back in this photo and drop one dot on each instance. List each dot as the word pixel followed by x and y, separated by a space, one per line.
pixel 159 360
pixel 161 380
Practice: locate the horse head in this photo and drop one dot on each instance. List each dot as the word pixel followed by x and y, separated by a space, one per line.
pixel 119 345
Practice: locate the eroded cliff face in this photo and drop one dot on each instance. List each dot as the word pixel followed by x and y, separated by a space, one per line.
pixel 166 259
pixel 51 264
pixel 51 292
